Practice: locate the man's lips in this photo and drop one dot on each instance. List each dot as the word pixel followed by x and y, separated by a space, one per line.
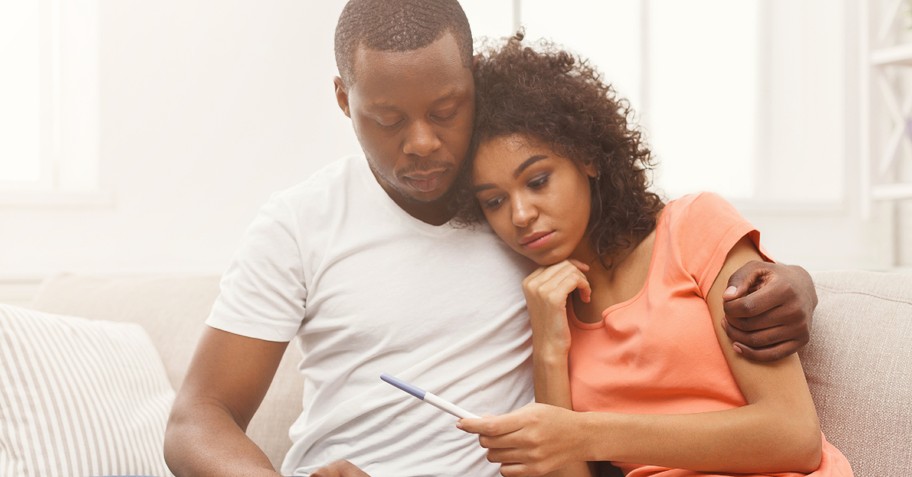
pixel 536 240
pixel 425 181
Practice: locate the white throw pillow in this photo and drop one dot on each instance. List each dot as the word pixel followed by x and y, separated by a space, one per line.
pixel 79 397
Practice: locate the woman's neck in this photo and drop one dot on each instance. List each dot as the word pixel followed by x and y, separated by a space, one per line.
pixel 615 279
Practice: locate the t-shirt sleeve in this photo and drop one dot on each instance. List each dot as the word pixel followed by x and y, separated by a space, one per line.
pixel 709 227
pixel 262 293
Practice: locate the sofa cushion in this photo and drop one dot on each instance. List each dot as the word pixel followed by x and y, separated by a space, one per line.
pixel 859 367
pixel 79 397
pixel 172 308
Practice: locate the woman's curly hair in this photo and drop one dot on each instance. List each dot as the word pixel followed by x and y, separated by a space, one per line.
pixel 558 98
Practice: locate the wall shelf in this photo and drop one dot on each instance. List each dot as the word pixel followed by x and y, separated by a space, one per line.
pixel 900 55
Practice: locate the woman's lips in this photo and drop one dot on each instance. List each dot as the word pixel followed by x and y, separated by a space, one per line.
pixel 536 240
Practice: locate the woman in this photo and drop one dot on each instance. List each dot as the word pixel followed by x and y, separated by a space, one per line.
pixel 626 305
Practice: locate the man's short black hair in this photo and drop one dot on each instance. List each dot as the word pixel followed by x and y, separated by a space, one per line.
pixel 398 25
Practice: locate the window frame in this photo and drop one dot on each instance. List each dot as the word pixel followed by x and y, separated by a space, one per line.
pixel 71 171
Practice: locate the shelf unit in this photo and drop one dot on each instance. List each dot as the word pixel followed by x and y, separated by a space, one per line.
pixel 886 112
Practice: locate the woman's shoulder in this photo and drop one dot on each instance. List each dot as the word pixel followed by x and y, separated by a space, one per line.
pixel 700 200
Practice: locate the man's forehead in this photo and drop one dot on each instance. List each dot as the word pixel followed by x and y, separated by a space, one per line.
pixel 442 52
pixel 387 102
pixel 392 79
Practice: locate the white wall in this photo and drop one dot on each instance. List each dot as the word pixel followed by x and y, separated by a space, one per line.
pixel 205 109
pixel 208 107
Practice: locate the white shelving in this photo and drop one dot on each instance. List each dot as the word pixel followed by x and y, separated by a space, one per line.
pixel 900 55
pixel 886 113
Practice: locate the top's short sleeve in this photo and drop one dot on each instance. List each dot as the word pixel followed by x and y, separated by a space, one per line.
pixel 706 230
pixel 262 293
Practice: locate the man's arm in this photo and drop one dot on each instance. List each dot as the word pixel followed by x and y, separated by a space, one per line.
pixel 768 310
pixel 226 382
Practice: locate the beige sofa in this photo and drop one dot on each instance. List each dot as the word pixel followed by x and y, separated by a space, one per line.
pixel 859 362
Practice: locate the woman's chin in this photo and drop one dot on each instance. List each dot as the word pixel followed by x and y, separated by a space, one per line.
pixel 544 259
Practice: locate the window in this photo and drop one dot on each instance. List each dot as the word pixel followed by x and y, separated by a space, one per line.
pixel 744 98
pixel 49 89
pixel 20 93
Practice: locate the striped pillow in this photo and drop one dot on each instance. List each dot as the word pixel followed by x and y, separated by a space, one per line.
pixel 79 397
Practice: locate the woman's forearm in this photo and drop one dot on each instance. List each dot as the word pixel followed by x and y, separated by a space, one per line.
pixel 552 386
pixel 552 376
pixel 753 438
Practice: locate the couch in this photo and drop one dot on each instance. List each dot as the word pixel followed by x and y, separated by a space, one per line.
pixel 858 364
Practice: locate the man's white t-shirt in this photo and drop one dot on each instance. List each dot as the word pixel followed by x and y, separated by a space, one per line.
pixel 367 289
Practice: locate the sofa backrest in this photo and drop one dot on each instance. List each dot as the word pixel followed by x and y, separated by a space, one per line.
pixel 858 363
pixel 859 368
pixel 172 309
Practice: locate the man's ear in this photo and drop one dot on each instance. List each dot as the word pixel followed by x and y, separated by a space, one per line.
pixel 341 95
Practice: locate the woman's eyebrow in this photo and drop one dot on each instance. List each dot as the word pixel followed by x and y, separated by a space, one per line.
pixel 519 170
pixel 528 162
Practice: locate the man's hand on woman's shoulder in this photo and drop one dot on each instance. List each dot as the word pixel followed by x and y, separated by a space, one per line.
pixel 768 310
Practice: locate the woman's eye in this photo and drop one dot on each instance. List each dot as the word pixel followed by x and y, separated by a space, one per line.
pixel 492 204
pixel 539 182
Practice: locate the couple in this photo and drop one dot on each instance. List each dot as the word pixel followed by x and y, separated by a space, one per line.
pixel 364 266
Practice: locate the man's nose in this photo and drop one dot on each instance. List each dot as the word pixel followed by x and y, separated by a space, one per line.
pixel 422 140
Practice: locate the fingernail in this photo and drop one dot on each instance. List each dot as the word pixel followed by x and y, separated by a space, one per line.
pixel 737 349
pixel 730 290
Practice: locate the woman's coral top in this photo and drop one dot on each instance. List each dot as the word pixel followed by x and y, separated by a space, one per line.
pixel 657 353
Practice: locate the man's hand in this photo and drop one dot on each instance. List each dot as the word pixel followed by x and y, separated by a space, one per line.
pixel 340 468
pixel 768 310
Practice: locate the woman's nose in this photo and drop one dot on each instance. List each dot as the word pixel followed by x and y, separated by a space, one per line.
pixel 524 212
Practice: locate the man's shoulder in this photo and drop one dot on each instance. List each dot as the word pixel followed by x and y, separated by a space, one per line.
pixel 325 186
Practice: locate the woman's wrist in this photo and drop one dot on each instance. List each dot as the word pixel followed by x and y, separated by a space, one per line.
pixel 549 358
pixel 548 350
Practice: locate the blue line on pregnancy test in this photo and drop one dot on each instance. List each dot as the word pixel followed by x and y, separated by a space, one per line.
pixel 428 397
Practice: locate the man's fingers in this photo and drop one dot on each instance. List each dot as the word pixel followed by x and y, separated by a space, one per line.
pixel 760 338
pixel 754 306
pixel 768 344
pixel 783 315
pixel 771 353
pixel 744 279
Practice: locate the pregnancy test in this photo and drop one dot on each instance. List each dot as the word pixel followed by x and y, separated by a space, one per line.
pixel 427 397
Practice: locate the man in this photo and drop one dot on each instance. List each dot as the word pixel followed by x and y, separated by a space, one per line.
pixel 361 265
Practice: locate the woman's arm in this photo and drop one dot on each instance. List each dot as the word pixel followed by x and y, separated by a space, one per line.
pixel 776 431
pixel 546 291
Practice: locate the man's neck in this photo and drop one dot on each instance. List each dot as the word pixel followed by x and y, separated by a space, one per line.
pixel 433 213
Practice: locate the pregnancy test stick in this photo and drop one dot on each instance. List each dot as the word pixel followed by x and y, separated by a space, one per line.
pixel 427 397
